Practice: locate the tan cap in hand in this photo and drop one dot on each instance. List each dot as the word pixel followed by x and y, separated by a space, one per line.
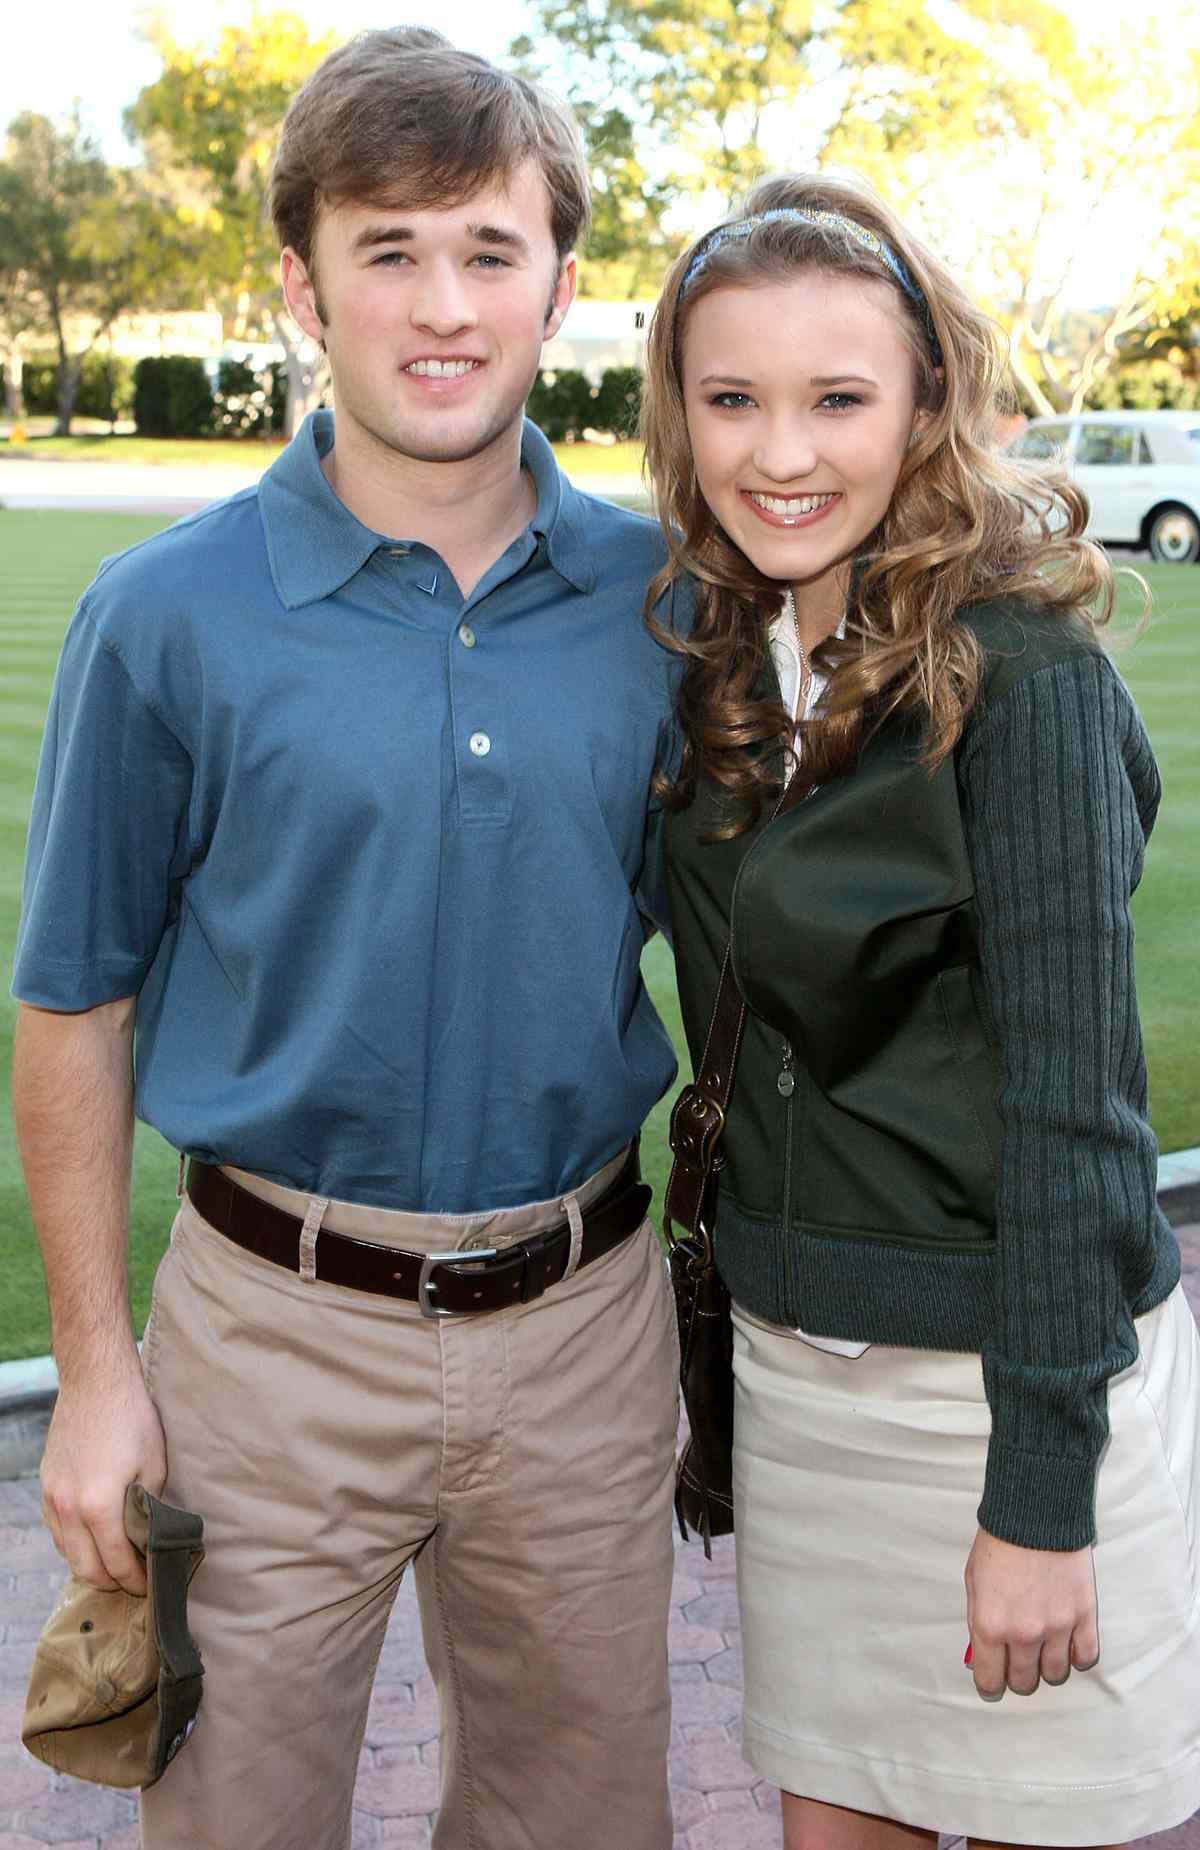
pixel 116 1678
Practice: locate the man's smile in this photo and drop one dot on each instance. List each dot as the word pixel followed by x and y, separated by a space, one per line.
pixel 442 369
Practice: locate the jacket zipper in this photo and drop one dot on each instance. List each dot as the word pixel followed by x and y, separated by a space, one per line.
pixel 785 1084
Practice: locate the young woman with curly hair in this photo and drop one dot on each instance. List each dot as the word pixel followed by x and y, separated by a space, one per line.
pixel 960 1337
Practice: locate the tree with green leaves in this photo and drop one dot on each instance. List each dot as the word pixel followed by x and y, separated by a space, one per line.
pixel 719 91
pixel 991 101
pixel 1174 332
pixel 1119 125
pixel 82 242
pixel 209 126
pixel 671 96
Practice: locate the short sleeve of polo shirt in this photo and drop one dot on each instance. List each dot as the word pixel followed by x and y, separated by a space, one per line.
pixel 677 610
pixel 107 835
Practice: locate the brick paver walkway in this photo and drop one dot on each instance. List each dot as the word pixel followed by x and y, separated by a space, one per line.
pixel 719 1803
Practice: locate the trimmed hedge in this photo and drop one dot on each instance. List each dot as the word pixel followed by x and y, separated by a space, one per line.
pixel 565 404
pixel 560 404
pixel 618 402
pixel 105 387
pixel 172 397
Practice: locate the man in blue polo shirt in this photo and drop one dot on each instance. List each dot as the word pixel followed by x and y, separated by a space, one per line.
pixel 343 814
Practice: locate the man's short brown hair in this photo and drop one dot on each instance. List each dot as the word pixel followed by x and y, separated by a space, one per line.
pixel 401 118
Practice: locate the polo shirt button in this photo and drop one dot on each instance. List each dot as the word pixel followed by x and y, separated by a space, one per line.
pixel 466 635
pixel 480 744
pixel 399 552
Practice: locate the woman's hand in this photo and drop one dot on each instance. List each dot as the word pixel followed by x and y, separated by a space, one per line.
pixel 1031 1613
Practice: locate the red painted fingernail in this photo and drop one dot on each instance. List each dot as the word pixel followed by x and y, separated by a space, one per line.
pixel 967 1658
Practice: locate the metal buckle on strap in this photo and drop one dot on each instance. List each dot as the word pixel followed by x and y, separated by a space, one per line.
pixel 426 1282
pixel 696 1126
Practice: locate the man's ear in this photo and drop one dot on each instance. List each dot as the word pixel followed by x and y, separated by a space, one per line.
pixel 300 294
pixel 564 295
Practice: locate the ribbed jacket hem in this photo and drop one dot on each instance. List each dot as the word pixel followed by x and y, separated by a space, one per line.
pixel 870 1291
pixel 862 1289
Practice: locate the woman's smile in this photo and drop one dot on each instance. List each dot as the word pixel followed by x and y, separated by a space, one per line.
pixel 789 510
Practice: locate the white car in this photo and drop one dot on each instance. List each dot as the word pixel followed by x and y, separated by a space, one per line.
pixel 1140 471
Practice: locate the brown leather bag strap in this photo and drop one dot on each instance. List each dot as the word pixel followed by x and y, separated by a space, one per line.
pixel 698 1115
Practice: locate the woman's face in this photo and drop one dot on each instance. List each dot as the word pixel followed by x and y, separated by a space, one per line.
pixel 800 401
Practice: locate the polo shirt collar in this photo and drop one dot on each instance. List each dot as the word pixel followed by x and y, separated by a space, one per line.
pixel 559 519
pixel 315 545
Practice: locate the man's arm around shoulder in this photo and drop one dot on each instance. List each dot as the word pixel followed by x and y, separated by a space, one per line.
pixel 73 1105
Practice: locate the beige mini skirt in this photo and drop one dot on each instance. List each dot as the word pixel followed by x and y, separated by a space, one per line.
pixel 856 1485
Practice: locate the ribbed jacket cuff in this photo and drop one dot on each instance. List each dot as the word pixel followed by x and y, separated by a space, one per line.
pixel 1037 1501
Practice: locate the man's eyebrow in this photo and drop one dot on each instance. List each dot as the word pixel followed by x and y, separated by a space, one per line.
pixel 370 235
pixel 499 234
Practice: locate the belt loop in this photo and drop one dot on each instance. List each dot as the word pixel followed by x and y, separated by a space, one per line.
pixel 313 1217
pixel 570 1208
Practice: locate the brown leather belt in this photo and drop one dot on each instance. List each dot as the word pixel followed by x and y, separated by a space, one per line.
pixel 452 1284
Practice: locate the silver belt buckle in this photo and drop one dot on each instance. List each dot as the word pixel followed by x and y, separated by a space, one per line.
pixel 424 1287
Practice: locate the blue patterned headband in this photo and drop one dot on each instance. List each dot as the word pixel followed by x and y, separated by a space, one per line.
pixel 797 215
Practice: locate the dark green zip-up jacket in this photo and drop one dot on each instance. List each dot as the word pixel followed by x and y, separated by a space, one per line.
pixel 938 1132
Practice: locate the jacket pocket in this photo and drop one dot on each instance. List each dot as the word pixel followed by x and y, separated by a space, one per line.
pixel 897 1145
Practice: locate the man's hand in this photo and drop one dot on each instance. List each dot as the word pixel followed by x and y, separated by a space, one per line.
pixel 73 1106
pixel 1031 1614
pixel 101 1439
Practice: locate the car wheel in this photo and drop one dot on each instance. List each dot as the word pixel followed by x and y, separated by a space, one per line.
pixel 1174 536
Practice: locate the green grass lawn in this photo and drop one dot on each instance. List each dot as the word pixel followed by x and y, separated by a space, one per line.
pixel 578 459
pixel 47 558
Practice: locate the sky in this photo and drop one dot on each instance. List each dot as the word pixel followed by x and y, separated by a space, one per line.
pixel 90 50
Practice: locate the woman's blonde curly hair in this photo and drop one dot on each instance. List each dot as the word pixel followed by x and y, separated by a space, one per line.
pixel 966 523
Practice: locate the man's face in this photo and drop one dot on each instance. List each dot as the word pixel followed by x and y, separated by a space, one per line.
pixel 434 320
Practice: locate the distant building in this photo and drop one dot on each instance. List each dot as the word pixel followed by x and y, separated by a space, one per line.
pixel 597 335
pixel 198 334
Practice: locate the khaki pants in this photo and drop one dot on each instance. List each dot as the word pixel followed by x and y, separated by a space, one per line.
pixel 522 1460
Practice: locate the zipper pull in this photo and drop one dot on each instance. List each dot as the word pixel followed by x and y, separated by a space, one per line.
pixel 786 1082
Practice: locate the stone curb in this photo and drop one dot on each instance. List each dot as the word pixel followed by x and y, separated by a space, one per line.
pixel 1179 1186
pixel 28 1388
pixel 1181 1204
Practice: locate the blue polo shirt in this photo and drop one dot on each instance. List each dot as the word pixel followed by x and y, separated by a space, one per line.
pixel 370 854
